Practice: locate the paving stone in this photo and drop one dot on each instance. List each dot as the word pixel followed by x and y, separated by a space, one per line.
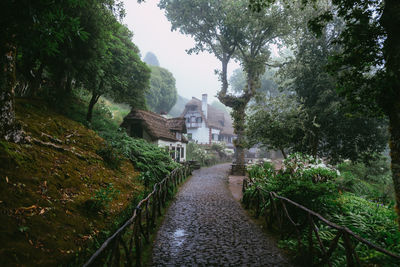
pixel 205 226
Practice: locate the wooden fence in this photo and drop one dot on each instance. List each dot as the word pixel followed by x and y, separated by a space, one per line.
pixel 124 247
pixel 277 214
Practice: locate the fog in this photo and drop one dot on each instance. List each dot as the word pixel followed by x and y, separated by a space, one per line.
pixel 194 74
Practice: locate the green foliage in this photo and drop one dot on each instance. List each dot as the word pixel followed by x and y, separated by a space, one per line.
pixel 162 95
pixel 263 171
pixel 151 59
pixel 268 87
pixel 230 30
pixel 302 178
pixel 332 130
pixel 110 156
pixel 200 154
pixel 103 120
pixel 278 123
pixel 153 162
pixel 206 156
pixel 371 179
pixel 104 196
pixel 307 181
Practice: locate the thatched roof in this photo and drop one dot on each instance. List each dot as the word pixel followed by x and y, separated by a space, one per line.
pixel 177 124
pixel 156 125
pixel 216 118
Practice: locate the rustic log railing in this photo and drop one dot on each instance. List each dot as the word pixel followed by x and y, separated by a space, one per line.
pixel 277 214
pixel 124 247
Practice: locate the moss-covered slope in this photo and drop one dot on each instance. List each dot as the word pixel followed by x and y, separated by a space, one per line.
pixel 47 186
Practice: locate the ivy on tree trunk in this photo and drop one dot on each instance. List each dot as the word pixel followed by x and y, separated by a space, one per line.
pixel 10 130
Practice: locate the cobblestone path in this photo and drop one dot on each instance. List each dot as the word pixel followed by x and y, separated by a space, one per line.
pixel 205 226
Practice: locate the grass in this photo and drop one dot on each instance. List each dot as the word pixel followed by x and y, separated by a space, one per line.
pixel 45 192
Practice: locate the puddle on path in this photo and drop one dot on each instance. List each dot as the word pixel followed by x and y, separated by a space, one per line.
pixel 178 237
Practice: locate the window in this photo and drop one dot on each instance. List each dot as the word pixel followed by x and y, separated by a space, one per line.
pixel 214 136
pixel 178 154
pixel 193 119
pixel 189 135
pixel 198 119
pixel 136 130
pixel 182 152
pixel 172 152
pixel 178 136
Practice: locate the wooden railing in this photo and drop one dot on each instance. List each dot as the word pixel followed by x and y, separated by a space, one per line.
pixel 124 247
pixel 277 215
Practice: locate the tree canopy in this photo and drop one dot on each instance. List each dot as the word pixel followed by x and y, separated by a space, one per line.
pixel 50 48
pixel 162 95
pixel 228 30
pixel 367 67
pixel 279 124
pixel 151 59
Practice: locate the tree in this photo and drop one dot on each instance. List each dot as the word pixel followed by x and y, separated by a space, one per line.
pixel 151 59
pixel 278 124
pixel 179 106
pixel 162 95
pixel 333 132
pixel 49 37
pixel 368 66
pixel 268 86
pixel 41 27
pixel 223 29
pixel 119 72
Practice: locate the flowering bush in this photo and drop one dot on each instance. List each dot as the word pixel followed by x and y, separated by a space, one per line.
pixel 313 184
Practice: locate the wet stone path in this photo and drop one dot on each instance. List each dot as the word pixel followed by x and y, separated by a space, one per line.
pixel 205 226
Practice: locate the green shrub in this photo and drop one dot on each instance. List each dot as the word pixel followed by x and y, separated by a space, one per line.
pixel 206 156
pixel 302 178
pixel 103 197
pixel 309 182
pixel 110 156
pixel 153 162
pixel 371 180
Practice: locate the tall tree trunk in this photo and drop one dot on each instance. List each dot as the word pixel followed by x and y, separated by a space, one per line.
pixel 394 122
pixel 391 23
pixel 93 101
pixel 10 130
pixel 239 117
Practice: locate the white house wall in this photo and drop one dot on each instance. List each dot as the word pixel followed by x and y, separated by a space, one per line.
pixel 201 135
pixel 215 131
pixel 163 143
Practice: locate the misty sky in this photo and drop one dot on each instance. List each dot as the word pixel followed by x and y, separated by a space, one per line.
pixel 194 74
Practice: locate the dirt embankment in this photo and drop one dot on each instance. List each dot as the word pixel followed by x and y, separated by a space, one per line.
pixel 56 193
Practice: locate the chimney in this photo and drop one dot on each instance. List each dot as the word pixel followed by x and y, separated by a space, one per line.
pixel 164 114
pixel 204 105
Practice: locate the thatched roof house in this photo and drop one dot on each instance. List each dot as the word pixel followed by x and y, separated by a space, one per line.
pixel 158 130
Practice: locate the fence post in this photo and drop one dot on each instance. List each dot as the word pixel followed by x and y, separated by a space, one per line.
pixel 348 248
pixel 138 240
pixel 310 241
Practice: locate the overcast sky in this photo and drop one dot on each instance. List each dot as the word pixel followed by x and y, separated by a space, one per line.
pixel 194 74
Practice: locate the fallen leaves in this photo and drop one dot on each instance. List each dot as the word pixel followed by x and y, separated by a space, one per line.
pixel 65 251
pixel 32 210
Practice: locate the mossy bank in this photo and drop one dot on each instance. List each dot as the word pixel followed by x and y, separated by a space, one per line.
pixel 57 195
